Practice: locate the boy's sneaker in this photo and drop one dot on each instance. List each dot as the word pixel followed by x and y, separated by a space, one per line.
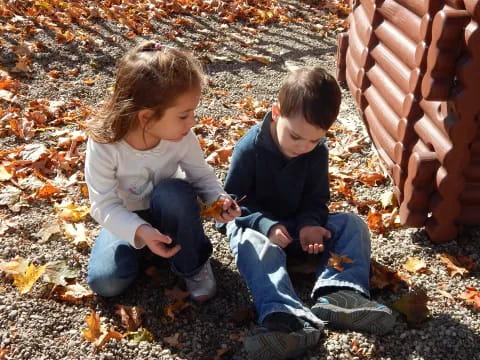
pixel 350 310
pixel 202 286
pixel 282 336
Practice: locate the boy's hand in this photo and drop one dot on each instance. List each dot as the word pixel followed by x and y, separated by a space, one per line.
pixel 230 209
pixel 311 238
pixel 156 241
pixel 279 235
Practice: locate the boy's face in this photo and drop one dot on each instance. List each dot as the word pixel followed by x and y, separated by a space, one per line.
pixel 294 136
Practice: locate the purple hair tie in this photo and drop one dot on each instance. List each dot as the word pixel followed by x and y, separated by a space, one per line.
pixel 158 46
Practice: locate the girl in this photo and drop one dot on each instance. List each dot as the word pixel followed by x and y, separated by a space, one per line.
pixel 144 168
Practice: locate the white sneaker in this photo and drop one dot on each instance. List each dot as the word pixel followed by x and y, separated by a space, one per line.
pixel 202 286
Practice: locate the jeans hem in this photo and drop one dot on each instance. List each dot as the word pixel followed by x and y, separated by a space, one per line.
pixel 320 283
pixel 190 273
pixel 305 314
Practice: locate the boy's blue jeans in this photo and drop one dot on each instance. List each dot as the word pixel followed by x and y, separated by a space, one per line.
pixel 263 265
pixel 114 264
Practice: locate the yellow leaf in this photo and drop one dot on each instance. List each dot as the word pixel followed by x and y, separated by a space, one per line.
pixel 415 265
pixel 4 174
pixel 25 281
pixel 71 212
pixel 93 322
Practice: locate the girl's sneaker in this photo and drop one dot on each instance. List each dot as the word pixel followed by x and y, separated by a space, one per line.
pixel 202 286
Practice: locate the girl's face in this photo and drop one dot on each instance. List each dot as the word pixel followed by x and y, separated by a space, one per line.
pixel 294 136
pixel 176 121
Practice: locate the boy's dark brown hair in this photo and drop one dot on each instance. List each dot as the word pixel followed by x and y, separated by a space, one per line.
pixel 312 93
pixel 149 76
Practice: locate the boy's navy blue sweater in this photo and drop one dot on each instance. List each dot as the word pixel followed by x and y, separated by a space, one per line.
pixel 277 189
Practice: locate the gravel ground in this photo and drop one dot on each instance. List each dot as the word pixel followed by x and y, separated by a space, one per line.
pixel 37 326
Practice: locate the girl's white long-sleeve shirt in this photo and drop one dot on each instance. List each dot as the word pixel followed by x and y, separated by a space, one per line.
pixel 120 179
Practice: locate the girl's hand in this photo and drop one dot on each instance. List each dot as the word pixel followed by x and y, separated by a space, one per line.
pixel 230 209
pixel 311 238
pixel 279 235
pixel 156 241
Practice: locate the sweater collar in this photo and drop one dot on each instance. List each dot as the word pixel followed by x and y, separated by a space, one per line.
pixel 264 137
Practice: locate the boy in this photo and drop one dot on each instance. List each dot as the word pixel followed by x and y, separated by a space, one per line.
pixel 281 165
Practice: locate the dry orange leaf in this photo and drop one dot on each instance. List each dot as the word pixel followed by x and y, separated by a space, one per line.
pixel 95 334
pixel 336 261
pixel 382 277
pixel 93 322
pixel 131 316
pixel 415 265
pixel 171 310
pixel 47 191
pixel 453 265
pixel 471 297
pixel 215 209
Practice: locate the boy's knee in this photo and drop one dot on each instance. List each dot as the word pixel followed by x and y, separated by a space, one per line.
pixel 354 221
pixel 254 242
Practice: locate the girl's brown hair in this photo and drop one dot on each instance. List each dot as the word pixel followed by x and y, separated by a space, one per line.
pixel 150 76
pixel 312 93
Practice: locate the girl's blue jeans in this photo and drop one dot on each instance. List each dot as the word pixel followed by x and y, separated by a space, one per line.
pixel 114 264
pixel 263 265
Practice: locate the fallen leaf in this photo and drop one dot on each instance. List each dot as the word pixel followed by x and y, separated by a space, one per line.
pixel 73 292
pixel 172 310
pixel 140 335
pixel 95 333
pixel 109 334
pixel 5 174
pixel 453 265
pixel 336 261
pixel 131 316
pixel 59 272
pixel 78 233
pixel 215 209
pixel 382 277
pixel 71 212
pixel 415 265
pixel 174 341
pixel 47 191
pixel 25 281
pixel 413 306
pixel 471 297
pixel 16 266
pixel 47 230
pixel 388 199
pixel 92 333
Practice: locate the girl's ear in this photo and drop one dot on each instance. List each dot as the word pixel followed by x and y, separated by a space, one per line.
pixel 144 116
pixel 275 111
